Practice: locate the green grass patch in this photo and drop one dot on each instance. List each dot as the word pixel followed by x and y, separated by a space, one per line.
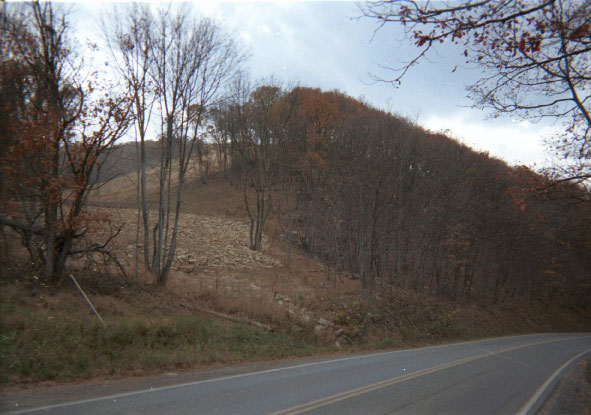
pixel 37 344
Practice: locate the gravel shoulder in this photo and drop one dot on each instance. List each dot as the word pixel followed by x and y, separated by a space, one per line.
pixel 573 392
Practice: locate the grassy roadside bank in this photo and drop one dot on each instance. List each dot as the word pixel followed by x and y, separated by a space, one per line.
pixel 56 338
pixel 52 336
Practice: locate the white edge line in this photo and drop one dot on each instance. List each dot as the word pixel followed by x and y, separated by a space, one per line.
pixel 525 409
pixel 183 385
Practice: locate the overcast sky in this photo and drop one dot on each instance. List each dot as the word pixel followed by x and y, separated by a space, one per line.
pixel 326 45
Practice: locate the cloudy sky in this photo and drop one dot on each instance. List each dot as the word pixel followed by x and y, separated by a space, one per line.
pixel 326 45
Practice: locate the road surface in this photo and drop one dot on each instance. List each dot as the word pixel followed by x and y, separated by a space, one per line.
pixel 496 376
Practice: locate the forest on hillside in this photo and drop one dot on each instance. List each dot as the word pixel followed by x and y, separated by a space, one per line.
pixel 400 207
pixel 370 194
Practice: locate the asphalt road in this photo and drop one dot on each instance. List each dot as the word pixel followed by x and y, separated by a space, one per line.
pixel 496 376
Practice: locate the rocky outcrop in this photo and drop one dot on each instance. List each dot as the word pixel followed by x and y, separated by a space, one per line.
pixel 207 243
pixel 213 258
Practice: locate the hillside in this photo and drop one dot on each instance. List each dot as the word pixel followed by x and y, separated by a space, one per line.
pixel 394 208
pixel 284 285
pixel 405 237
pixel 404 208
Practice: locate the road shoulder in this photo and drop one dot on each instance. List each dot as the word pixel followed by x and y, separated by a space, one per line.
pixel 19 399
pixel 572 395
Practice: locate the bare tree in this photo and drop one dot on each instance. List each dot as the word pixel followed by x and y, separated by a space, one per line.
pixel 252 120
pixel 190 61
pixel 535 56
pixel 129 38
pixel 262 145
pixel 220 139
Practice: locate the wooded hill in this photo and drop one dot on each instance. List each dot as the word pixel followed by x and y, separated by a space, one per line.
pixel 122 160
pixel 377 196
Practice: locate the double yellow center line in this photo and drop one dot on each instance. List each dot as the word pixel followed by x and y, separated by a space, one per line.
pixel 298 409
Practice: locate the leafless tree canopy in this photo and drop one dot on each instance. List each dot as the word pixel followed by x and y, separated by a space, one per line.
pixel 253 121
pixel 180 64
pixel 379 198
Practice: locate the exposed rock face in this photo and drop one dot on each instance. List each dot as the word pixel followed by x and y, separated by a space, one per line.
pixel 208 243
pixel 211 242
pixel 213 258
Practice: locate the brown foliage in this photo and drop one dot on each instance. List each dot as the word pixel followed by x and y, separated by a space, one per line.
pixel 404 208
pixel 58 131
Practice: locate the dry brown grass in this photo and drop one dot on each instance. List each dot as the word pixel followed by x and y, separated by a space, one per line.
pixel 121 191
pixel 53 336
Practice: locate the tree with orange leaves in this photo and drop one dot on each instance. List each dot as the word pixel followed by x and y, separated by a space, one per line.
pixel 59 128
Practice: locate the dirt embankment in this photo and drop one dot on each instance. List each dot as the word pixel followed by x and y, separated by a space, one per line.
pixel 215 267
pixel 213 263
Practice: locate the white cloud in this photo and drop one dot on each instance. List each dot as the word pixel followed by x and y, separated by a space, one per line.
pixel 517 142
